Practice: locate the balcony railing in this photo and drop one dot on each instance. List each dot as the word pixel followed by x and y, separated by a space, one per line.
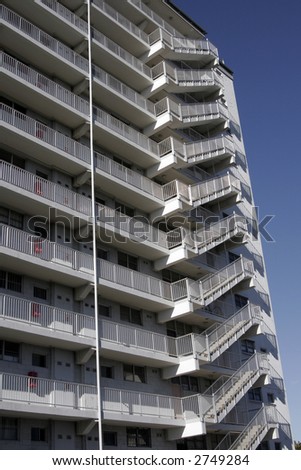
pixel 187 77
pixel 192 112
pixel 195 152
pixel 128 176
pixel 66 14
pixel 122 89
pixel 44 316
pixel 213 188
pixel 135 226
pixel 183 45
pixel 54 393
pixel 43 133
pixel 43 83
pixel 127 402
pixel 121 20
pixel 121 53
pixel 157 19
pixel 42 249
pixel 44 39
pixel 44 188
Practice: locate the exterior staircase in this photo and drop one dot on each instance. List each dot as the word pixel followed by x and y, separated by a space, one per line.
pixel 265 420
pixel 225 393
pixel 211 287
pixel 216 339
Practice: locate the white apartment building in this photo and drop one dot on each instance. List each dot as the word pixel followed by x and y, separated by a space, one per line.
pixel 134 305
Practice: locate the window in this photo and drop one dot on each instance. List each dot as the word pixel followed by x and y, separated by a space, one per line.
pixel 8 429
pixel 133 373
pixel 171 276
pixel 176 328
pixel 122 162
pixel 106 372
pixel 240 300
pixel 192 443
pixel 255 394
pixel 138 437
pixel 119 207
pixel 102 254
pixel 130 315
pixel 9 351
pixel 233 257
pixel 248 346
pixel 11 158
pixel 40 293
pixel 110 438
pixel 127 261
pixel 187 383
pixel 271 397
pixel 38 434
pixel 11 218
pixel 104 310
pixel 10 281
pixel 38 360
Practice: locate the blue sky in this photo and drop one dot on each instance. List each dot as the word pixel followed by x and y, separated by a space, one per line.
pixel 260 41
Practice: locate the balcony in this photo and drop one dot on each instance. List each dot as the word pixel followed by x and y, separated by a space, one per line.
pixel 37 92
pixel 27 135
pixel 43 397
pixel 43 324
pixel 113 24
pixel 116 136
pixel 219 188
pixel 181 415
pixel 138 289
pixel 34 195
pixel 119 62
pixel 115 95
pixel 179 48
pixel 54 18
pixel 177 115
pixel 25 252
pixel 176 80
pixel 38 47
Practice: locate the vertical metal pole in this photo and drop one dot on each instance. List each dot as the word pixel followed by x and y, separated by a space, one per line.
pixel 94 235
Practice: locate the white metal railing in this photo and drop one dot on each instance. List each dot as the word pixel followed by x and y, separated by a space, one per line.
pixel 218 283
pixel 183 45
pixel 44 133
pixel 212 188
pixel 122 89
pixel 44 39
pixel 37 391
pixel 146 340
pixel 127 402
pixel 224 392
pixel 46 316
pixel 200 150
pixel 175 189
pixel 44 83
pixel 133 279
pixel 139 227
pixel 43 188
pixel 66 14
pixel 43 249
pixel 121 20
pixel 192 112
pixel 185 76
pixel 125 131
pixel 109 166
pixel 121 53
pixel 157 19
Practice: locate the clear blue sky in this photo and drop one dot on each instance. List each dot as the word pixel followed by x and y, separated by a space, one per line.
pixel 260 40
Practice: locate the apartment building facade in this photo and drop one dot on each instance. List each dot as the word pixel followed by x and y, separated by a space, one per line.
pixel 134 305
